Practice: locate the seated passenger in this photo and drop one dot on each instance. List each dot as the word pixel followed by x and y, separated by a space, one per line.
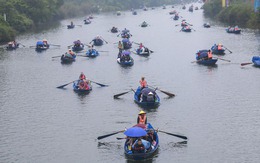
pixel 139 147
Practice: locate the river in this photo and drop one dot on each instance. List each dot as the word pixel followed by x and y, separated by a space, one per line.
pixel 217 108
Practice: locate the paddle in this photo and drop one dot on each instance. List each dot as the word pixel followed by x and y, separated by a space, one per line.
pixel 70 46
pixel 167 93
pixel 177 135
pixel 102 85
pixel 120 94
pixel 243 64
pixel 32 46
pixel 54 45
pixel 56 56
pixel 22 44
pixel 104 40
pixel 223 59
pixel 228 49
pixel 193 29
pixel 102 51
pixel 82 55
pixel 120 138
pixel 104 136
pixel 66 84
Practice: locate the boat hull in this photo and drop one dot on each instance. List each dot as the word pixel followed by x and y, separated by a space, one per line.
pixel 92 54
pixel 98 42
pixel 70 26
pixel 78 48
pixel 146 104
pixel 256 61
pixel 126 63
pixel 81 91
pixel 150 152
pixel 65 59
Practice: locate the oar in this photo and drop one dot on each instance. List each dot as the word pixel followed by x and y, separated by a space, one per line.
pixel 56 56
pixel 102 85
pixel 102 51
pixel 32 46
pixel 66 84
pixel 136 43
pixel 177 135
pixel 120 138
pixel 54 45
pixel 104 136
pixel 228 49
pixel 70 46
pixel 243 64
pixel 22 44
pixel 120 94
pixel 193 29
pixel 104 40
pixel 223 59
pixel 167 93
pixel 82 55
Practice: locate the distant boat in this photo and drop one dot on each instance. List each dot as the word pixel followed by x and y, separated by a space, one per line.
pixel 118 13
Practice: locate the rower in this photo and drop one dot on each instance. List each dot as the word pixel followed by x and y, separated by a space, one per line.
pixel 142 119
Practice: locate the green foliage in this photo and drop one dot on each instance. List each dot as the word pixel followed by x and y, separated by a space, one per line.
pixel 22 15
pixel 6 32
pixel 238 13
pixel 212 8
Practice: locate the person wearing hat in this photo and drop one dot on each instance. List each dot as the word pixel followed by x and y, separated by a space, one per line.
pixel 142 119
pixel 143 83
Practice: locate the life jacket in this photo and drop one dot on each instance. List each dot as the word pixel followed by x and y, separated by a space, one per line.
pixel 142 120
pixel 210 55
pixel 82 76
pixel 219 47
pixel 143 83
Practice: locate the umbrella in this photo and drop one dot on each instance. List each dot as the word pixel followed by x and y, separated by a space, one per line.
pixel 135 132
pixel 125 40
pixel 125 52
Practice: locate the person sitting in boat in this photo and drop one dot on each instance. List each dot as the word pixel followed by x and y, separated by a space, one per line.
pixel 142 119
pixel 151 138
pixel 236 28
pixel 71 23
pixel 120 46
pixel 143 83
pixel 220 47
pixel 139 147
pixel 83 84
pixel 150 97
pixel 77 43
pixel 91 49
pixel 45 42
pixel 70 54
pixel 209 54
pixel 187 27
pixel 14 44
pixel 183 23
pixel 82 76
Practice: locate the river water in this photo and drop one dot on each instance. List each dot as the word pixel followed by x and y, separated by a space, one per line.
pixel 217 108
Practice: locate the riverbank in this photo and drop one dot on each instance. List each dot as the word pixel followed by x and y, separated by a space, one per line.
pixel 241 14
pixel 22 17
